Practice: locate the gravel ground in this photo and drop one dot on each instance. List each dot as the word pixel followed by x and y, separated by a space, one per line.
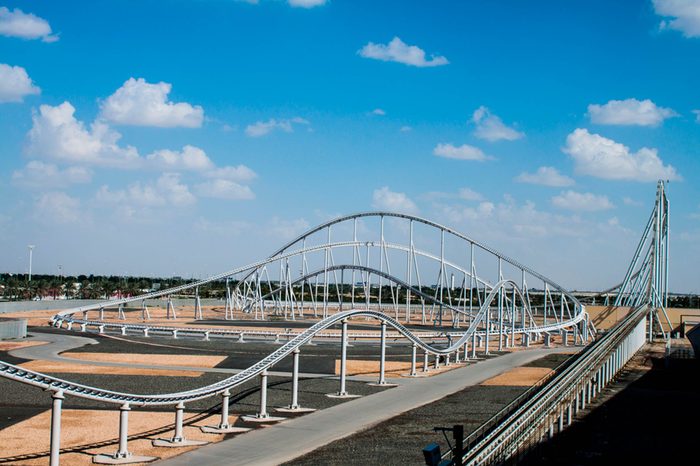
pixel 401 439
pixel 643 419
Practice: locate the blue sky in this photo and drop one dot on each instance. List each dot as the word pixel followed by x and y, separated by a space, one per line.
pixel 187 137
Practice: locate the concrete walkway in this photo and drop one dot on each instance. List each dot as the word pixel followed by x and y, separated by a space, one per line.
pixel 296 437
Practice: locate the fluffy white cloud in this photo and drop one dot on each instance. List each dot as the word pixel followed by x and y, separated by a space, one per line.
pixel 629 112
pixel 546 176
pixel 190 158
pixel 286 229
pixel 237 173
pixel 398 51
pixel 57 134
pixel 684 15
pixel 601 157
pixel 378 111
pixel 306 3
pixel 15 84
pixel 225 189
pixel 262 128
pixel 385 199
pixel 581 202
pixel 463 152
pixel 140 103
pixel 491 128
pixel 16 23
pixel 167 190
pixel 57 207
pixel 40 175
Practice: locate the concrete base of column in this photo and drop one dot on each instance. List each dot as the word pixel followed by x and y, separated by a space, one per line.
pixel 297 409
pixel 110 459
pixel 385 384
pixel 224 430
pixel 257 419
pixel 342 395
pixel 170 443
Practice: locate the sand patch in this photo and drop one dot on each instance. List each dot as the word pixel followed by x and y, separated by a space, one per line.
pixel 519 377
pixel 34 318
pixel 391 369
pixel 11 345
pixel 69 368
pixel 186 360
pixel 90 431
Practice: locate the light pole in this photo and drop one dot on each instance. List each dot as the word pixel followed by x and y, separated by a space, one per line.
pixel 31 250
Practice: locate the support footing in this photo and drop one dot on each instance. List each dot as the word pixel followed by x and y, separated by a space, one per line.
pixel 224 430
pixel 262 420
pixel 298 409
pixel 342 395
pixel 111 459
pixel 385 384
pixel 170 443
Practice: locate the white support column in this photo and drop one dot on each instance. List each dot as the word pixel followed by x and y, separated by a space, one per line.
pixel 295 380
pixel 178 439
pixel 413 360
pixel 123 452
pixel 262 415
pixel 224 427
pixel 425 361
pixel 382 356
pixel 56 427
pixel 342 392
pixel 122 455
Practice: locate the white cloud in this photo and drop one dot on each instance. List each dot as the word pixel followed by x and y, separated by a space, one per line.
pixel 465 194
pixel 286 229
pixel 385 199
pixel 468 194
pixel 57 134
pixel 629 201
pixel 40 175
pixel 629 112
pixel 57 207
pixel 405 129
pixel 684 15
pixel 546 176
pixel 225 189
pixel 190 158
pixel 491 128
pixel 581 202
pixel 601 157
pixel 398 51
pixel 697 115
pixel 16 23
pixel 15 84
pixel 237 173
pixel 262 128
pixel 378 111
pixel 306 3
pixel 167 190
pixel 463 152
pixel 140 103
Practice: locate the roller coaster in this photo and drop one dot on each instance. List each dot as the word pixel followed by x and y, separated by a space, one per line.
pixel 425 281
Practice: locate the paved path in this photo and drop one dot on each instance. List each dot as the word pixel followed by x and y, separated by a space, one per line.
pixel 296 437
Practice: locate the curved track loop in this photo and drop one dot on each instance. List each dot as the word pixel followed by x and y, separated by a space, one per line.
pixel 496 311
pixel 53 383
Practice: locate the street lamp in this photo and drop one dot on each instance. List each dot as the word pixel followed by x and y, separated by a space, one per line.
pixel 31 250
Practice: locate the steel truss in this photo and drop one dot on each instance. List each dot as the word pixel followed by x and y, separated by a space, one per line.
pixel 646 280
